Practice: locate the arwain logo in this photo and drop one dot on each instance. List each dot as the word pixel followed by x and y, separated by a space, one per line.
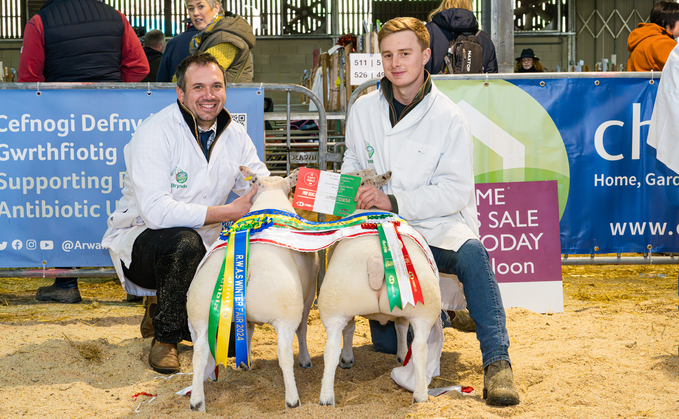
pixel 370 151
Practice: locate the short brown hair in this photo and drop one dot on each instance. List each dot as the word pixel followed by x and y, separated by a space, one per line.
pixel 399 24
pixel 664 13
pixel 154 38
pixel 200 59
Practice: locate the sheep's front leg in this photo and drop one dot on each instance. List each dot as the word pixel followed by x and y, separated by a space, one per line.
pixel 333 329
pixel 421 329
pixel 200 356
pixel 347 355
pixel 286 334
pixel 401 325
pixel 304 357
pixel 251 331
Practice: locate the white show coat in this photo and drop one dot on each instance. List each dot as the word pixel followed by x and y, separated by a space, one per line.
pixel 429 152
pixel 169 183
pixel 664 127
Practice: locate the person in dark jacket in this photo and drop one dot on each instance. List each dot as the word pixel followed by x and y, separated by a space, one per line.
pixel 104 48
pixel 176 50
pixel 79 41
pixel 528 62
pixel 450 19
pixel 154 44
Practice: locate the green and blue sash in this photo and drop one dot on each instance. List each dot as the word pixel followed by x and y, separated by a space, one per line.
pixel 228 301
pixel 242 247
pixel 229 295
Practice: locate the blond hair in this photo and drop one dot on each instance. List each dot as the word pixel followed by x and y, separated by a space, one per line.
pixel 449 4
pixel 211 3
pixel 400 24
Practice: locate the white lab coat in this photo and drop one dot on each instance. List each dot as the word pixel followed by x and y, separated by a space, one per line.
pixel 429 152
pixel 664 127
pixel 169 183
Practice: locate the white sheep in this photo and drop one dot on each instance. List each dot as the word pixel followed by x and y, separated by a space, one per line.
pixel 281 286
pixel 354 285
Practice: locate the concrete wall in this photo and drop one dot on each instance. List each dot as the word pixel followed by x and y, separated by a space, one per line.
pixel 551 50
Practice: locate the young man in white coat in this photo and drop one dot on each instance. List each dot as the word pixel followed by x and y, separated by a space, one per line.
pixel 182 163
pixel 410 128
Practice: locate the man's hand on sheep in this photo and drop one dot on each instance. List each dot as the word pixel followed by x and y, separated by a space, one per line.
pixel 233 211
pixel 368 196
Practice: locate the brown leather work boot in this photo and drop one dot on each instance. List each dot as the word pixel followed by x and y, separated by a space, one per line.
pixel 461 321
pixel 146 326
pixel 163 357
pixel 498 385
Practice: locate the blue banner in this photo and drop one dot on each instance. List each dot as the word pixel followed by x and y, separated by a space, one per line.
pixel 62 166
pixel 590 136
pixel 621 199
pixel 61 160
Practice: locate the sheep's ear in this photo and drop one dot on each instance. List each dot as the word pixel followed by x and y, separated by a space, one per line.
pixel 248 174
pixel 380 180
pixel 292 178
pixel 363 174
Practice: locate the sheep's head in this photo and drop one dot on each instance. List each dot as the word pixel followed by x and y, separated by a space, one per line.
pixel 270 182
pixel 370 177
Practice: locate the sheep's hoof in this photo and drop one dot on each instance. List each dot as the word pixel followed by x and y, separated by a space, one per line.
pixel 329 402
pixel 292 405
pixel 198 407
pixel 424 399
pixel 244 366
pixel 399 360
pixel 344 364
pixel 305 364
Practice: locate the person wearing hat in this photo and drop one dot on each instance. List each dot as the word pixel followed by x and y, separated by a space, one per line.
pixel 528 62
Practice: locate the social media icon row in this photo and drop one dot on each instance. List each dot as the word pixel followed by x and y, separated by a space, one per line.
pixel 30 244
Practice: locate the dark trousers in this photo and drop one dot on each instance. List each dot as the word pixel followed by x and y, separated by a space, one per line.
pixel 166 260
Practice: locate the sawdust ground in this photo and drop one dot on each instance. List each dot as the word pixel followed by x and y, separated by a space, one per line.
pixel 613 353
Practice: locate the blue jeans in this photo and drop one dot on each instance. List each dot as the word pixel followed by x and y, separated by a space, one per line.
pixel 471 264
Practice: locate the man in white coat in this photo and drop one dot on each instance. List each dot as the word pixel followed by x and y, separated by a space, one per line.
pixel 410 128
pixel 182 163
pixel 662 132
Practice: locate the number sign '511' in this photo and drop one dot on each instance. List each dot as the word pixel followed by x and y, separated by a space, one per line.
pixel 365 67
